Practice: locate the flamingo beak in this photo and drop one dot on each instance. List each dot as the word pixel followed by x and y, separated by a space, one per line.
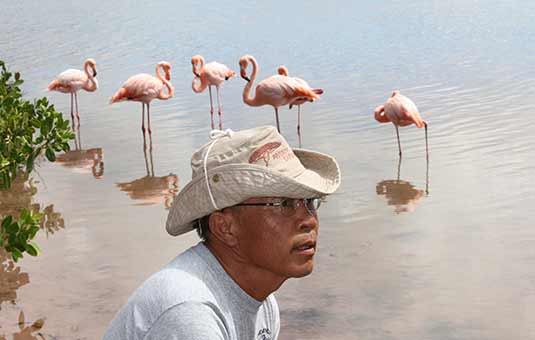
pixel 94 73
pixel 196 74
pixel 243 74
pixel 167 76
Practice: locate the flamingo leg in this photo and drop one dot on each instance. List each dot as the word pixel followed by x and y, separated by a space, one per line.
pixel 143 118
pixel 426 145
pixel 148 120
pixel 72 112
pixel 211 106
pixel 277 118
pixel 399 168
pixel 298 119
pixel 76 103
pixel 399 143
pixel 299 123
pixel 145 154
pixel 427 176
pixel 219 109
pixel 151 161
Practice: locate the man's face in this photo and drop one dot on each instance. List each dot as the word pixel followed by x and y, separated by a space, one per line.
pixel 274 242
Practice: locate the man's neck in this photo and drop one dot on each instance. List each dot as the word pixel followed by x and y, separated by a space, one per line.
pixel 257 283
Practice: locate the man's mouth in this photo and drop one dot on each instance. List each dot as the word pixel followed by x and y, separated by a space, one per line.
pixel 305 248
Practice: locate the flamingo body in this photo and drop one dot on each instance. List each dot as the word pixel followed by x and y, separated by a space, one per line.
pixel 72 80
pixel 141 87
pixel 277 90
pixel 215 73
pixel 400 111
pixel 211 74
pixel 144 88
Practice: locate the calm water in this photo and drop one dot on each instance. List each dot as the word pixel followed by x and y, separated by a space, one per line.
pixel 444 250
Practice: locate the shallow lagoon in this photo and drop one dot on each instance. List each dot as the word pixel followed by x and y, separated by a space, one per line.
pixel 394 261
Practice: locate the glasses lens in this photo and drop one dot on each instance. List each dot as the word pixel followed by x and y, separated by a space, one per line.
pixel 288 207
pixel 312 204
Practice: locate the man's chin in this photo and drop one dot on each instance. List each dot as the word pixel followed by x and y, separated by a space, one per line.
pixel 303 270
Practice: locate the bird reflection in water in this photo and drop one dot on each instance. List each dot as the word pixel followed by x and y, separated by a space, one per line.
pixel 402 194
pixel 27 331
pixel 151 189
pixel 11 278
pixel 80 160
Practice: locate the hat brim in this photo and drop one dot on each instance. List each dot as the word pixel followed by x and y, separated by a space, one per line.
pixel 236 183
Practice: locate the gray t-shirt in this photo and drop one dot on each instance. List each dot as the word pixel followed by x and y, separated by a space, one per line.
pixel 194 298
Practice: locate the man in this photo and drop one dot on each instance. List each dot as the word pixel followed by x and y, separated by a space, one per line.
pixel 254 202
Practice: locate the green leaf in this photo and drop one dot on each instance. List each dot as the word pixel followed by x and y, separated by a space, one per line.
pixel 50 155
pixel 16 254
pixel 7 222
pixel 31 250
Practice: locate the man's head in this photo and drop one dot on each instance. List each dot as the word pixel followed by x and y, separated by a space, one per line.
pixel 253 194
pixel 274 234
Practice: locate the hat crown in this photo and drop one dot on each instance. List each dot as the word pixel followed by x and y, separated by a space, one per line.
pixel 262 146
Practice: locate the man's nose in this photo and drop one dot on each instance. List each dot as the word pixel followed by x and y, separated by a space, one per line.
pixel 307 220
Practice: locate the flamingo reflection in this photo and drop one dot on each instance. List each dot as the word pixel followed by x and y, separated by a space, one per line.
pixel 151 189
pixel 402 194
pixel 11 278
pixel 80 160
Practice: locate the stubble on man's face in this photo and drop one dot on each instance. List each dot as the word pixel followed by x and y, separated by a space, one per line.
pixel 281 246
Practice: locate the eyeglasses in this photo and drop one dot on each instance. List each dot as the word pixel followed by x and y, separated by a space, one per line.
pixel 289 206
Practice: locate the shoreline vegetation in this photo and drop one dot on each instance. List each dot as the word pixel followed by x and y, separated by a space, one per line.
pixel 28 130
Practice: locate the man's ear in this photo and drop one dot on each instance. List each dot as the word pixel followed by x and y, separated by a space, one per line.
pixel 221 226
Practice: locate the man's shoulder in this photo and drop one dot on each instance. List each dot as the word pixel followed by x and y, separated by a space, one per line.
pixel 183 279
pixel 183 282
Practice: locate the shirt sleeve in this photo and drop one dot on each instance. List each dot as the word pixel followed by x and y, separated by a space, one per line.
pixel 189 321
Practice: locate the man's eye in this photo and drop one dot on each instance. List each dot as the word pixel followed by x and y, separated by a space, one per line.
pixel 285 203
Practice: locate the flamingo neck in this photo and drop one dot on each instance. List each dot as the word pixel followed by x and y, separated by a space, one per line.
pixel 166 83
pixel 91 84
pixel 247 89
pixel 198 86
pixel 197 70
pixel 381 117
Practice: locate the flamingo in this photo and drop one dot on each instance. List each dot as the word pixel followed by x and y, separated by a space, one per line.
pixel 144 88
pixel 276 90
pixel 211 74
pixel 401 111
pixel 283 71
pixel 72 80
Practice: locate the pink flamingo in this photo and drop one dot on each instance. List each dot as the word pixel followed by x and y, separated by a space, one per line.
pixel 211 74
pixel 283 71
pixel 72 80
pixel 144 88
pixel 276 90
pixel 401 111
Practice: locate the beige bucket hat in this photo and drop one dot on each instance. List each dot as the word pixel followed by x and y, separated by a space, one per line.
pixel 236 166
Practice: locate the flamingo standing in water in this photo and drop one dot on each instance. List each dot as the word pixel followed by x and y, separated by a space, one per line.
pixel 72 80
pixel 283 71
pixel 211 74
pixel 276 90
pixel 144 88
pixel 401 111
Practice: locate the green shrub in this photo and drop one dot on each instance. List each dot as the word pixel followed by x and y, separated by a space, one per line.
pixel 27 130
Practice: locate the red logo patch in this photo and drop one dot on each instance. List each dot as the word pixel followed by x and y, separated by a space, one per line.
pixel 264 153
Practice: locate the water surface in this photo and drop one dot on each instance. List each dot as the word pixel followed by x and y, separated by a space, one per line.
pixel 408 250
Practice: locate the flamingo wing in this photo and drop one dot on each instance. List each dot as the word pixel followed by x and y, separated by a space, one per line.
pixel 216 73
pixel 402 111
pixel 142 87
pixel 70 80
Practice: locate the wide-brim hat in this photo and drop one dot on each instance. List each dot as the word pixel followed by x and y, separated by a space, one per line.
pixel 236 166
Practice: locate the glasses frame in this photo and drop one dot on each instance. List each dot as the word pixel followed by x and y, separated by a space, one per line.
pixel 299 202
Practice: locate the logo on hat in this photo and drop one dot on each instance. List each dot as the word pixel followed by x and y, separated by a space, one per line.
pixel 264 153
